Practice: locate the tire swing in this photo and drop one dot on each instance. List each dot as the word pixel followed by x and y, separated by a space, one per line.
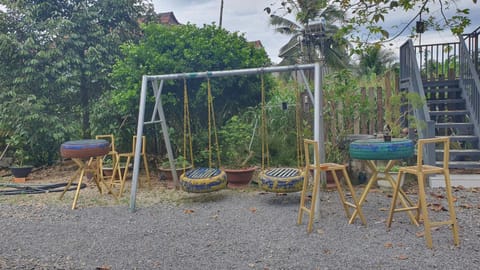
pixel 201 179
pixel 280 180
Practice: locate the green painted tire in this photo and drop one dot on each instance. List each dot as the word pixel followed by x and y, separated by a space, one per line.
pixel 377 149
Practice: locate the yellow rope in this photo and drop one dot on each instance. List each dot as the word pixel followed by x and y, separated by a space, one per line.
pixel 187 133
pixel 211 121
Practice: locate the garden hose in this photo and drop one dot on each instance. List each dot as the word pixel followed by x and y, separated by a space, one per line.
pixel 36 189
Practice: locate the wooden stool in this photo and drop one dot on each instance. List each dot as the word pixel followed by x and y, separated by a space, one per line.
pixel 421 171
pixel 327 167
pixel 129 156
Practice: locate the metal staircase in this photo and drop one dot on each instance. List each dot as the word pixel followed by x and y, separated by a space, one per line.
pixel 447 108
pixel 447 75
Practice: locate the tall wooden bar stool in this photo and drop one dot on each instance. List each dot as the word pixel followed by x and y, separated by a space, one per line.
pixel 129 156
pixel 115 178
pixel 327 167
pixel 421 171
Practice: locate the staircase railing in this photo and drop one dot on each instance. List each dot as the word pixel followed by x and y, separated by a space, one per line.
pixel 473 46
pixel 470 84
pixel 410 79
pixel 438 62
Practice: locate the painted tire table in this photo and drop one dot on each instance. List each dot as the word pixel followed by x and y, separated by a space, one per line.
pixel 84 148
pixel 377 149
pixel 87 155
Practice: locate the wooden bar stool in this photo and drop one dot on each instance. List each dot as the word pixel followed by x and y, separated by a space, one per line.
pixel 327 167
pixel 129 156
pixel 115 178
pixel 421 171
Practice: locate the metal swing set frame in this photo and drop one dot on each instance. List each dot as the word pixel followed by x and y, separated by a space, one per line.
pixel 158 115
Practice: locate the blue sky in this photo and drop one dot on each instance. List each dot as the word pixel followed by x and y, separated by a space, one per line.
pixel 248 17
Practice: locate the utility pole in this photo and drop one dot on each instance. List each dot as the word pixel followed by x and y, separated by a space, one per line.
pixel 221 14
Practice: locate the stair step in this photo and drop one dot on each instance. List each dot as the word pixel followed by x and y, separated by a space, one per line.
pixel 463 138
pixel 442 90
pixel 453 125
pixel 460 154
pixel 461 164
pixel 445 101
pixel 448 83
pixel 449 113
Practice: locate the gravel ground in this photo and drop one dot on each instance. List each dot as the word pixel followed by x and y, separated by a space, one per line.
pixel 229 229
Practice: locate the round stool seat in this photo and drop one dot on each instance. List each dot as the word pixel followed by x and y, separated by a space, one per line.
pixel 282 180
pixel 377 149
pixel 84 148
pixel 202 180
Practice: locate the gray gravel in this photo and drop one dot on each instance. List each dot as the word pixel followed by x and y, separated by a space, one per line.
pixel 232 230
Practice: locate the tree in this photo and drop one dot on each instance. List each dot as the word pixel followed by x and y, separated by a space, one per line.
pixel 183 49
pixel 313 33
pixel 375 59
pixel 56 57
pixel 369 15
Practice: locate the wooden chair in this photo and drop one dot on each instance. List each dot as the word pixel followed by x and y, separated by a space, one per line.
pixel 129 156
pixel 421 172
pixel 316 166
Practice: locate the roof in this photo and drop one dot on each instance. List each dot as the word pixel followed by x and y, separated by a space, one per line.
pixel 167 18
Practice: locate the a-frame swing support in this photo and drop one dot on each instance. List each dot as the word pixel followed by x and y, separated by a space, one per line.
pixel 157 85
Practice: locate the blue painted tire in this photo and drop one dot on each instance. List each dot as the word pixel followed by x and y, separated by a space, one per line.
pixel 194 180
pixel 84 148
pixel 377 149
pixel 269 181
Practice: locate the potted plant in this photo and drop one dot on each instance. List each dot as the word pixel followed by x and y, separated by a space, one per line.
pixel 20 169
pixel 107 167
pixel 383 183
pixel 181 165
pixel 236 139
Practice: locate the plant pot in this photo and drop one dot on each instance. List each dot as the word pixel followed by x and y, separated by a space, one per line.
pixel 108 171
pixel 166 173
pixel 21 171
pixel 384 184
pixel 239 177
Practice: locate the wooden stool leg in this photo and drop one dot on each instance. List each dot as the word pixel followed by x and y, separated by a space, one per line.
pixel 316 186
pixel 303 208
pixel 303 194
pixel 147 172
pixel 355 204
pixel 424 210
pixel 451 209
pixel 124 177
pixel 393 205
pixel 77 193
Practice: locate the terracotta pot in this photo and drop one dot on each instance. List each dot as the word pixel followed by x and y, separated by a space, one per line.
pixel 330 180
pixel 239 177
pixel 108 171
pixel 166 173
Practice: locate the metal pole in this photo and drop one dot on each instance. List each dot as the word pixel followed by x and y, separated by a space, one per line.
pixel 138 145
pixel 318 128
pixel 223 73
